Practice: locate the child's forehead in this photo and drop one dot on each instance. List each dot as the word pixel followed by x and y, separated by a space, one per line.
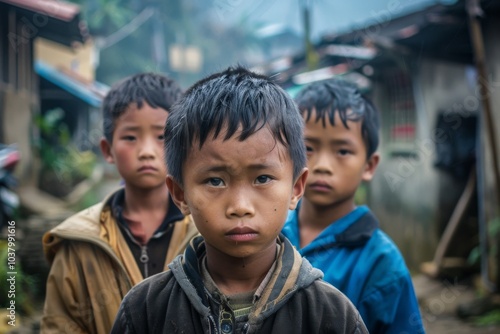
pixel 263 139
pixel 332 118
pixel 315 125
pixel 135 115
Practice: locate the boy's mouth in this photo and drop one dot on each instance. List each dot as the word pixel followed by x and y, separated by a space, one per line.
pixel 239 234
pixel 147 168
pixel 320 186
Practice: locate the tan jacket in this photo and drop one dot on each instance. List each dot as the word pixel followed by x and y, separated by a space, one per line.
pixel 92 269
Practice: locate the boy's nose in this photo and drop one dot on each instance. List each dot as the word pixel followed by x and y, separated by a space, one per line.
pixel 147 151
pixel 239 205
pixel 323 164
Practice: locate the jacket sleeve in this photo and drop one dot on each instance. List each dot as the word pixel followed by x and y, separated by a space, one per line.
pixel 393 309
pixel 84 290
pixel 337 312
pixel 66 309
pixel 122 324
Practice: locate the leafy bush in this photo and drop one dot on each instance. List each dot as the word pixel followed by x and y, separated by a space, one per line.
pixel 25 284
pixel 63 165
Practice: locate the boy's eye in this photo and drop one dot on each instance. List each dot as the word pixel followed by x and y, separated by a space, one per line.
pixel 161 137
pixel 128 138
pixel 309 149
pixel 263 179
pixel 344 152
pixel 215 182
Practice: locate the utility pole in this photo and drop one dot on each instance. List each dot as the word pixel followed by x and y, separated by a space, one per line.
pixel 312 58
pixel 158 40
pixel 474 11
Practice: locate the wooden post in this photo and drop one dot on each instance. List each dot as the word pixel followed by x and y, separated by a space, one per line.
pixel 474 11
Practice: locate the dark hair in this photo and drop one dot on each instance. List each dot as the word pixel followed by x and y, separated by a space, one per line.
pixel 159 91
pixel 335 95
pixel 229 99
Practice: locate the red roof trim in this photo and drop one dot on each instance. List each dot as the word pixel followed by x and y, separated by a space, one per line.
pixel 61 10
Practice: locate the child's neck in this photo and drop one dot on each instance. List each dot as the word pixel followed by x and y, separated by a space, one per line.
pixel 236 275
pixel 313 219
pixel 146 207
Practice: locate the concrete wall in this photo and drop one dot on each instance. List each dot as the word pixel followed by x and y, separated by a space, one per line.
pixel 405 194
pixel 80 58
pixel 17 129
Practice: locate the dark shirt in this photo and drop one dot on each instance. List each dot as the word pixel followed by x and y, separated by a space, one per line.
pixel 150 257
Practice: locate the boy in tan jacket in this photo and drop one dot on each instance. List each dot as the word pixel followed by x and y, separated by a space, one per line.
pixel 99 254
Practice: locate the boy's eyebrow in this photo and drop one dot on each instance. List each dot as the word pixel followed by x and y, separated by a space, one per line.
pixel 257 166
pixel 137 127
pixel 340 141
pixel 130 127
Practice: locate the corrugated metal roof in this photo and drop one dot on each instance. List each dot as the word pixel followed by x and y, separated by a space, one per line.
pixel 91 93
pixel 58 21
pixel 60 10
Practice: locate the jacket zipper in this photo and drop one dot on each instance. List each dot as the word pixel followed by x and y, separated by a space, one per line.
pixel 144 259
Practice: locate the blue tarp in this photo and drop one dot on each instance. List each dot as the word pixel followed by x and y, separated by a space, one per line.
pixel 91 94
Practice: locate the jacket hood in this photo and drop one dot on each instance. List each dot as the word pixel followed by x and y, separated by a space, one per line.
pixel 85 226
pixel 292 273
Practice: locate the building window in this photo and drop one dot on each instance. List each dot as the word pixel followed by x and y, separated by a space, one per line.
pixel 401 114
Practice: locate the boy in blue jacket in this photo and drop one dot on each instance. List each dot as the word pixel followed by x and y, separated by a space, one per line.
pixel 335 235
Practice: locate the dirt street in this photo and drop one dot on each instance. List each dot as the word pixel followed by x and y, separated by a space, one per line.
pixel 438 303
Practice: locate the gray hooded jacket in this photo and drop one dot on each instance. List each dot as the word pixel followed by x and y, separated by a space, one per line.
pixel 295 300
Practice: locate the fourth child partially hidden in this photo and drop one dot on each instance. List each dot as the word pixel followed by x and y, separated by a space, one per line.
pixel 335 235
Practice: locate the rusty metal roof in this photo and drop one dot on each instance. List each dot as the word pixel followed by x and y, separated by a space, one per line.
pixel 56 20
pixel 60 10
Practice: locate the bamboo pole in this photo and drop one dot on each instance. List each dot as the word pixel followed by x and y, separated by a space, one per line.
pixel 474 11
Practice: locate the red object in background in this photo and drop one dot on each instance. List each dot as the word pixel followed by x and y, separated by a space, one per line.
pixel 404 131
pixel 11 161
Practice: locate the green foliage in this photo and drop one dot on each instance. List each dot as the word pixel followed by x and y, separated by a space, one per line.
pixel 491 318
pixel 54 136
pixel 361 196
pixel 105 16
pixel 58 155
pixel 493 232
pixel 25 284
pixel 145 47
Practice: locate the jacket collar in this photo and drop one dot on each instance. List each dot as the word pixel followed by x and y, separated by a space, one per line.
pixel 291 273
pixel 359 232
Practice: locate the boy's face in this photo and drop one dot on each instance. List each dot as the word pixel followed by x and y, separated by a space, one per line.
pixel 137 147
pixel 239 192
pixel 336 158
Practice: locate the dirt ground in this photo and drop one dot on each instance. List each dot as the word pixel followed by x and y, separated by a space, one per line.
pixel 439 301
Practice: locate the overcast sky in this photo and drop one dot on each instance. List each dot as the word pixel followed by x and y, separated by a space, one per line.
pixel 327 16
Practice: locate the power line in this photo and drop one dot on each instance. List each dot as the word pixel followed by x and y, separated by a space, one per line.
pixel 126 30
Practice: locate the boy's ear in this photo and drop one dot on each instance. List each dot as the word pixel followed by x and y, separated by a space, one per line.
pixel 177 194
pixel 298 188
pixel 371 166
pixel 106 150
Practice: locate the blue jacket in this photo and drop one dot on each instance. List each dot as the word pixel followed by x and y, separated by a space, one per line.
pixel 365 264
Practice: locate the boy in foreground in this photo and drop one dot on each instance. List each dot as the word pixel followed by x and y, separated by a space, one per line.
pixel 98 254
pixel 236 162
pixel 336 236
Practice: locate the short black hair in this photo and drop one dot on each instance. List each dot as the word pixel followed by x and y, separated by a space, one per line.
pixel 227 100
pixel 337 95
pixel 157 90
